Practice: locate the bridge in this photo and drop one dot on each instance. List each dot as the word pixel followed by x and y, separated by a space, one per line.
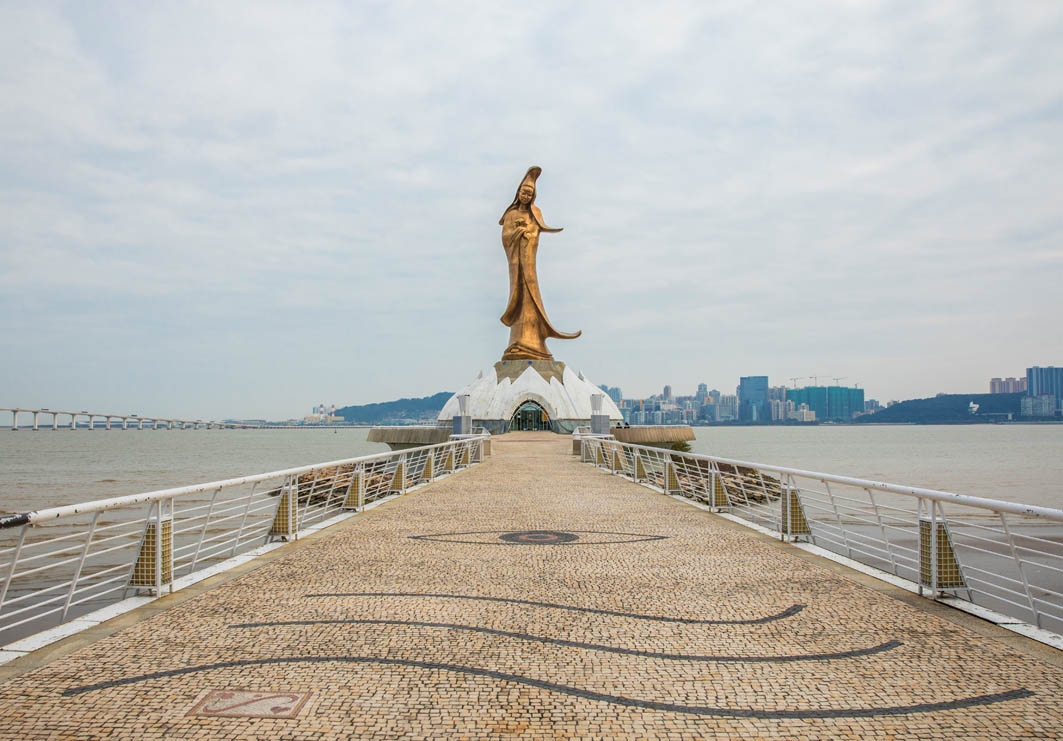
pixel 621 592
pixel 137 422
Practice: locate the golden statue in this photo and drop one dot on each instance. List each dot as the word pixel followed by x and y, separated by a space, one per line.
pixel 524 315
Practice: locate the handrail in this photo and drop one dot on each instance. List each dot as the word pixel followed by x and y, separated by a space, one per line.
pixel 101 505
pixel 997 505
pixel 157 539
pixel 947 545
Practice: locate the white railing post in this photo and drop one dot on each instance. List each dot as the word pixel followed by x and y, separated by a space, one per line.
pixel 353 498
pixel 720 498
pixel 332 488
pixel 428 470
pixel 284 517
pixel 14 562
pixel 243 520
pixel 793 521
pixel 838 519
pixel 80 566
pixel 203 530
pixel 154 565
pixel 933 550
pixel 143 538
pixel 300 512
pixel 1022 573
pixel 882 528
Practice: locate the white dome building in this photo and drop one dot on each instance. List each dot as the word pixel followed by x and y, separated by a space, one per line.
pixel 530 394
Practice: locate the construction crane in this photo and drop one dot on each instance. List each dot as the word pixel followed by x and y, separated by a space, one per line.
pixel 837 379
pixel 815 380
pixel 793 380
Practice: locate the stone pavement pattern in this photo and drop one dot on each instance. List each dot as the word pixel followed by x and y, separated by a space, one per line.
pixel 708 631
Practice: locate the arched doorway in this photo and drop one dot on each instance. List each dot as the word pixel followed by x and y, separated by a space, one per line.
pixel 530 416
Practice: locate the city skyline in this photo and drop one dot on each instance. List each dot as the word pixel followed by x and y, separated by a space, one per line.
pixel 233 211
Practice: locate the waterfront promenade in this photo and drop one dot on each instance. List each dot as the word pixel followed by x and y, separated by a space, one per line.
pixel 534 595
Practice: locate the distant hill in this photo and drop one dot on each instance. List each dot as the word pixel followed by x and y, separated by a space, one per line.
pixel 946 409
pixel 397 412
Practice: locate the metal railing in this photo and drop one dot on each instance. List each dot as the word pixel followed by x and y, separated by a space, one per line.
pixel 59 563
pixel 1003 556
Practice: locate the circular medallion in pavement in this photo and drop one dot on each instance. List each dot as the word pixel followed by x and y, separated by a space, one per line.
pixel 539 537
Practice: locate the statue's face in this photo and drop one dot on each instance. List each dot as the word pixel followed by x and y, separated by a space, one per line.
pixel 525 194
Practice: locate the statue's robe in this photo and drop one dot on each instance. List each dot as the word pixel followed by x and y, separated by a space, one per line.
pixel 524 314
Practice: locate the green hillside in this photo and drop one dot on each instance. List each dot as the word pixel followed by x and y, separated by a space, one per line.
pixel 398 411
pixel 950 408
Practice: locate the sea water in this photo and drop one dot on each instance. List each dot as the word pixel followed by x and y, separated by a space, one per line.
pixel 1019 463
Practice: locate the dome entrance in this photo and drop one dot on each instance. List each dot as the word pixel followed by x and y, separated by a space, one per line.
pixel 530 416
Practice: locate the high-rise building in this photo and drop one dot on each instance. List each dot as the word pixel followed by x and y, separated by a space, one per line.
pixel 1038 406
pixel 1044 392
pixel 1047 380
pixel 829 402
pixel 703 393
pixel 613 392
pixel 667 395
pixel 778 409
pixel 727 408
pixel 753 399
pixel 1007 385
pixel 844 403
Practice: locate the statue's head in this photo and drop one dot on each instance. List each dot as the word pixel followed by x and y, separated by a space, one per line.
pixel 525 196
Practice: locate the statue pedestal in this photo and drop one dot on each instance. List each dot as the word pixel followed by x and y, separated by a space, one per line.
pixel 512 369
pixel 563 394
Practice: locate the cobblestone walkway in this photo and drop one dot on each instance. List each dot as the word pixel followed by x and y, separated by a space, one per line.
pixel 534 595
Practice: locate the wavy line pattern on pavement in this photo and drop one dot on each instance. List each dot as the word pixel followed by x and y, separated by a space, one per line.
pixel 788 612
pixel 880 648
pixel 928 707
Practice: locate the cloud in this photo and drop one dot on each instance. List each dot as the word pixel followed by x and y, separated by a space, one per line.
pixel 279 204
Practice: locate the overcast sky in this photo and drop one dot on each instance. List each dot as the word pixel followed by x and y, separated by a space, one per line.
pixel 223 210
